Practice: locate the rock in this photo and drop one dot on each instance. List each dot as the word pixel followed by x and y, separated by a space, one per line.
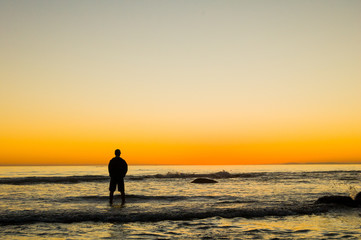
pixel 358 198
pixel 204 180
pixel 341 200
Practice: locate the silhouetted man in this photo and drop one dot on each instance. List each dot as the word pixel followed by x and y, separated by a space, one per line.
pixel 117 168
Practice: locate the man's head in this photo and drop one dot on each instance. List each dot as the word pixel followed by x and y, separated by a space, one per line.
pixel 117 152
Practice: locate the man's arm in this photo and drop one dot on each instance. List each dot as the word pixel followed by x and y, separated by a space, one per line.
pixel 124 167
pixel 109 167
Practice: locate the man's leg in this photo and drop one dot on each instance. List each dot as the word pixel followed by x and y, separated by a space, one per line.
pixel 112 186
pixel 111 197
pixel 121 190
pixel 123 197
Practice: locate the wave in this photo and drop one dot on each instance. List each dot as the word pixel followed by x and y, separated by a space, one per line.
pixel 236 201
pixel 213 200
pixel 120 215
pixel 216 175
pixel 129 197
pixel 100 178
pixel 62 180
pixel 262 176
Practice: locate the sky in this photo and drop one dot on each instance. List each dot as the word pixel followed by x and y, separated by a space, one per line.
pixel 180 82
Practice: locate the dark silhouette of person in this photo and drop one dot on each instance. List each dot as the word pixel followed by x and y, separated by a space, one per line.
pixel 117 168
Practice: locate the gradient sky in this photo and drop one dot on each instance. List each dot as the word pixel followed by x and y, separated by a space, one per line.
pixel 180 82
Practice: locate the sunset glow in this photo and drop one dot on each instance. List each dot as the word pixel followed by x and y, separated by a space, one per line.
pixel 180 82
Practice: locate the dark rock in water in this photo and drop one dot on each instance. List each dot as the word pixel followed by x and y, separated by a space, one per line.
pixel 358 198
pixel 204 180
pixel 341 200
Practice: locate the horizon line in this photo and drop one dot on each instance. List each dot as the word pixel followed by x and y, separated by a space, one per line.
pixel 289 163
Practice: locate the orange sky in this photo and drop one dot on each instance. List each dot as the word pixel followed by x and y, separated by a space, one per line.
pixel 86 148
pixel 228 82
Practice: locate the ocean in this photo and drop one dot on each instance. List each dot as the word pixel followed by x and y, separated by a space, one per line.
pixel 247 202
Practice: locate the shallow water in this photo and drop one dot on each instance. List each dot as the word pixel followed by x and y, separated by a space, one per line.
pixel 248 202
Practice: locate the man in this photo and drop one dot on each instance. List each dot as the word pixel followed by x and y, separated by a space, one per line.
pixel 117 168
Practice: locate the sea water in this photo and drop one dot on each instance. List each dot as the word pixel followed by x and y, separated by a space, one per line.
pixel 247 202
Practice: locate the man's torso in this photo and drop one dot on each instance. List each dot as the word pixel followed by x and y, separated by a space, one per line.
pixel 117 167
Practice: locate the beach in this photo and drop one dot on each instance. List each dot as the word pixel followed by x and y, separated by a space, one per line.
pixel 247 202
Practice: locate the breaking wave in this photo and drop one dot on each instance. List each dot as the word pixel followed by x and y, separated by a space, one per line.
pixel 62 180
pixel 100 178
pixel 216 175
pixel 130 197
pixel 263 176
pixel 73 216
